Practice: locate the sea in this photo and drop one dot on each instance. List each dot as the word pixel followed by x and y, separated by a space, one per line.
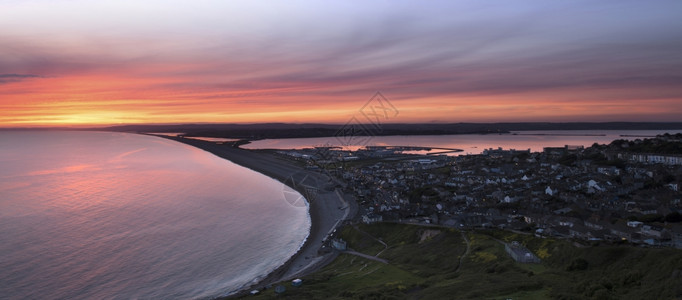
pixel 468 143
pixel 101 215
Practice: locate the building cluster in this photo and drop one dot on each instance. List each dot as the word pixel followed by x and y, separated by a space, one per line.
pixel 594 194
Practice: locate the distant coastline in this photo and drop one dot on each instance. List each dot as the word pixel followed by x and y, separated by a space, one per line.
pixel 557 134
pixel 294 130
pixel 290 130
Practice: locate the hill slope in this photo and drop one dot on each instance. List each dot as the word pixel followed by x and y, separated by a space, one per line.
pixel 424 263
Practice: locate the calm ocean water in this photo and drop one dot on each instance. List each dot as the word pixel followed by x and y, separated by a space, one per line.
pixel 95 215
pixel 470 143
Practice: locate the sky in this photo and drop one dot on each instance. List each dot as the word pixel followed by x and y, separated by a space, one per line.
pixel 76 62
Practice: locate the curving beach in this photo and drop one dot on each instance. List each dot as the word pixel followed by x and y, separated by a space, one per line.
pixel 328 207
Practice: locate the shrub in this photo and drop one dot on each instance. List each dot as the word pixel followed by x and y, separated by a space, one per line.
pixel 578 265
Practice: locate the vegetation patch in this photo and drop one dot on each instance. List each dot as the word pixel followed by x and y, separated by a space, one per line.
pixel 437 268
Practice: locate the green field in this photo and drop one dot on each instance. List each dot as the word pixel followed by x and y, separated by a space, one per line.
pixel 424 263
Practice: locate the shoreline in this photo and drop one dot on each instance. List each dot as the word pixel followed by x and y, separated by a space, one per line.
pixel 324 211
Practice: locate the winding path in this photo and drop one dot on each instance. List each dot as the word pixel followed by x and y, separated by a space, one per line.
pixel 466 253
pixel 374 258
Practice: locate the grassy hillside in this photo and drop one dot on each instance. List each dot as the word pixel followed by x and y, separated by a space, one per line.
pixel 424 263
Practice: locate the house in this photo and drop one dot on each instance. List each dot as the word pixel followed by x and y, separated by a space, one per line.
pixel 548 191
pixel 649 158
pixel 634 224
pixel 651 230
pixel 563 211
pixel 646 209
pixel 676 235
pixel 339 244
pixel 296 282
pixel 520 253
pixel 371 218
pixel 560 232
pixel 659 242
pixel 621 231
pixel 609 171
pixel 580 231
pixel 565 221
pixel 596 225
pixel 592 186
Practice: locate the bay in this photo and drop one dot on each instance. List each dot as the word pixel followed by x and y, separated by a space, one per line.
pixel 100 215
pixel 469 143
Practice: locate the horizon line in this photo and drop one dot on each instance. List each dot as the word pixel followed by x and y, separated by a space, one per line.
pixel 105 126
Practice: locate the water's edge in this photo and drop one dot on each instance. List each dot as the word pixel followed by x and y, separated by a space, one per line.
pixel 247 162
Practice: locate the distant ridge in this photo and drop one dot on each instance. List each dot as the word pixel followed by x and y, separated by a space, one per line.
pixel 294 130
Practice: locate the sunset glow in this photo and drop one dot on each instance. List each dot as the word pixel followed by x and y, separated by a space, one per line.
pixel 78 63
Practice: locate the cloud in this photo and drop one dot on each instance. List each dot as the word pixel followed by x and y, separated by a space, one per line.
pixel 7 78
pixel 18 76
pixel 531 55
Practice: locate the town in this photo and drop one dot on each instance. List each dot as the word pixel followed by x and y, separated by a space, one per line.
pixel 624 192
